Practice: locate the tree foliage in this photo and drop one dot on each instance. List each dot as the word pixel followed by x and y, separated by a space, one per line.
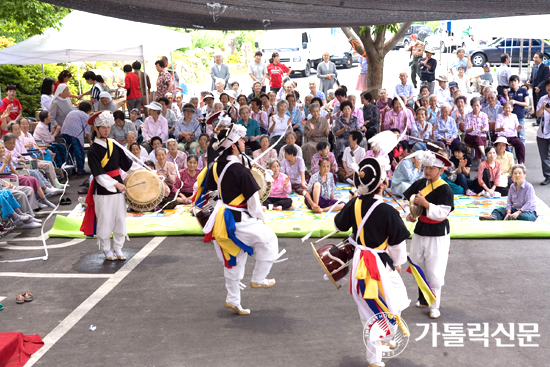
pixel 22 19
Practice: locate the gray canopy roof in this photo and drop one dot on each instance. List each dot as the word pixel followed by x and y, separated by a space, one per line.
pixel 257 14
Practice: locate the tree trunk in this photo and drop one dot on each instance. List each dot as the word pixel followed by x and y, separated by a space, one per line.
pixel 376 51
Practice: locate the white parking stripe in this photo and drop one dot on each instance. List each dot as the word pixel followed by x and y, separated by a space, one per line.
pixel 85 307
pixel 53 275
pixel 72 242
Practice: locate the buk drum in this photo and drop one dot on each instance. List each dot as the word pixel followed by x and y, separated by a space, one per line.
pixel 260 176
pixel 203 213
pixel 144 190
pixel 335 259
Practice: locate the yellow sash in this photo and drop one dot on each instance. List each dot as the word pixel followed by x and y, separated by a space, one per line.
pixel 428 189
pixel 219 231
pixel 108 154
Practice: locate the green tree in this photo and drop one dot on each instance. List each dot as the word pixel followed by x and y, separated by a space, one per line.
pixel 22 19
pixel 373 42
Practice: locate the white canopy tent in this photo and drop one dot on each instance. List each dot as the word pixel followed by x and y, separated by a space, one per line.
pixel 91 37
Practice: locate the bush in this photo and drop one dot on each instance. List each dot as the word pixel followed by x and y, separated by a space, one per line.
pixel 28 79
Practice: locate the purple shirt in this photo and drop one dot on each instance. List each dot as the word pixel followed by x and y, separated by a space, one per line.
pixel 523 198
pixel 293 170
pixel 480 124
pixel 510 125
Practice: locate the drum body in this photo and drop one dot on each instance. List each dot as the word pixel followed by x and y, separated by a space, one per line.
pixel 144 190
pixel 335 259
pixel 265 187
pixel 203 214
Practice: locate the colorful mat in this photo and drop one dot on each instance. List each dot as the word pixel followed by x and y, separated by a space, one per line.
pixel 299 221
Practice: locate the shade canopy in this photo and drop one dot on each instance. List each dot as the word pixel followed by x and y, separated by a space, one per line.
pixel 91 37
pixel 272 14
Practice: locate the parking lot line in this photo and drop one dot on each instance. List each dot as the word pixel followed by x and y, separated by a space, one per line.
pixel 85 307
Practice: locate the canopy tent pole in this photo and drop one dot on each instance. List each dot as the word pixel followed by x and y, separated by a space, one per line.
pixel 520 56
pixel 78 73
pixel 43 76
pixel 173 74
pixel 145 76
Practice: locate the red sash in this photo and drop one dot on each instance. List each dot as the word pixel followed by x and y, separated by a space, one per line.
pixel 88 223
pixel 427 220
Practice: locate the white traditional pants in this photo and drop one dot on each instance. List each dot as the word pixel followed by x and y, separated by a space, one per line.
pixel 432 254
pixel 374 351
pixel 254 233
pixel 110 212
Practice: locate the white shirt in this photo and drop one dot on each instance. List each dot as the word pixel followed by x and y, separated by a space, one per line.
pixel 544 129
pixel 443 96
pixel 358 155
pixel 503 75
pixel 280 124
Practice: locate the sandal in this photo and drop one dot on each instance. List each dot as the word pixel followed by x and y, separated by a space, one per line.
pixel 28 297
pixel 1 307
pixel 19 299
pixel 66 201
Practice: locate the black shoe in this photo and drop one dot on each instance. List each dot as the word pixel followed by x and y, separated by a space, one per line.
pixel 536 124
pixel 545 182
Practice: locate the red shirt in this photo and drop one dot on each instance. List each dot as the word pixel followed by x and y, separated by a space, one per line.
pixel 56 84
pixel 131 82
pixel 276 73
pixel 15 110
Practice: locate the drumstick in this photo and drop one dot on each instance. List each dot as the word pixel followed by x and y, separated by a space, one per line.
pixel 327 236
pixel 139 183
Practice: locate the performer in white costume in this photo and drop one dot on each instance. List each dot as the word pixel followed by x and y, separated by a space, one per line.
pixel 106 210
pixel 431 239
pixel 237 222
pixel 379 235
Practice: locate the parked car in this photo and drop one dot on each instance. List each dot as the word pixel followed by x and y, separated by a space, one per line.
pixel 447 41
pixel 345 56
pixel 495 49
pixel 421 30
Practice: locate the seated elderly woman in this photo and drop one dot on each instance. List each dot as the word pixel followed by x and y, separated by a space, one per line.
pixel 185 181
pixel 26 141
pixel 252 128
pixel 135 149
pixel 264 145
pixel 445 127
pixel 506 160
pixel 295 168
pixel 316 129
pixel 174 155
pixel 187 130
pixel 398 118
pixel 10 208
pixel 343 126
pixel 290 139
pixel 278 124
pixel 319 196
pixel 106 103
pixel 508 126
pixel 407 172
pixel 121 128
pixel 476 126
pixel 169 172
pixel 7 166
pixel 280 188
pixel 15 147
pixel 130 140
pixel 323 152
pixel 522 202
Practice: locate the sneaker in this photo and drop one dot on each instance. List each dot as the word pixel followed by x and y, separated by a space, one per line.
pixel 483 194
pixel 470 193
pixel 487 217
pixel 31 225
pixel 47 203
pixel 50 191
pixel 41 206
pixel 36 220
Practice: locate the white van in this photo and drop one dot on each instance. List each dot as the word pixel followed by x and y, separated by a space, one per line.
pixel 300 49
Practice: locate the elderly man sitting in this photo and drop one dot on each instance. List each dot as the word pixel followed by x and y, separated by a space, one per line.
pixel 404 90
pixel 522 204
pixel 445 128
pixel 121 128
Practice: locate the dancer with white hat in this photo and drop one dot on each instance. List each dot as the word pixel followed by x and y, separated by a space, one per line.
pixel 431 238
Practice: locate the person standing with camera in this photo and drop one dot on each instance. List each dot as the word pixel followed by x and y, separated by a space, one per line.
pixel 543 134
